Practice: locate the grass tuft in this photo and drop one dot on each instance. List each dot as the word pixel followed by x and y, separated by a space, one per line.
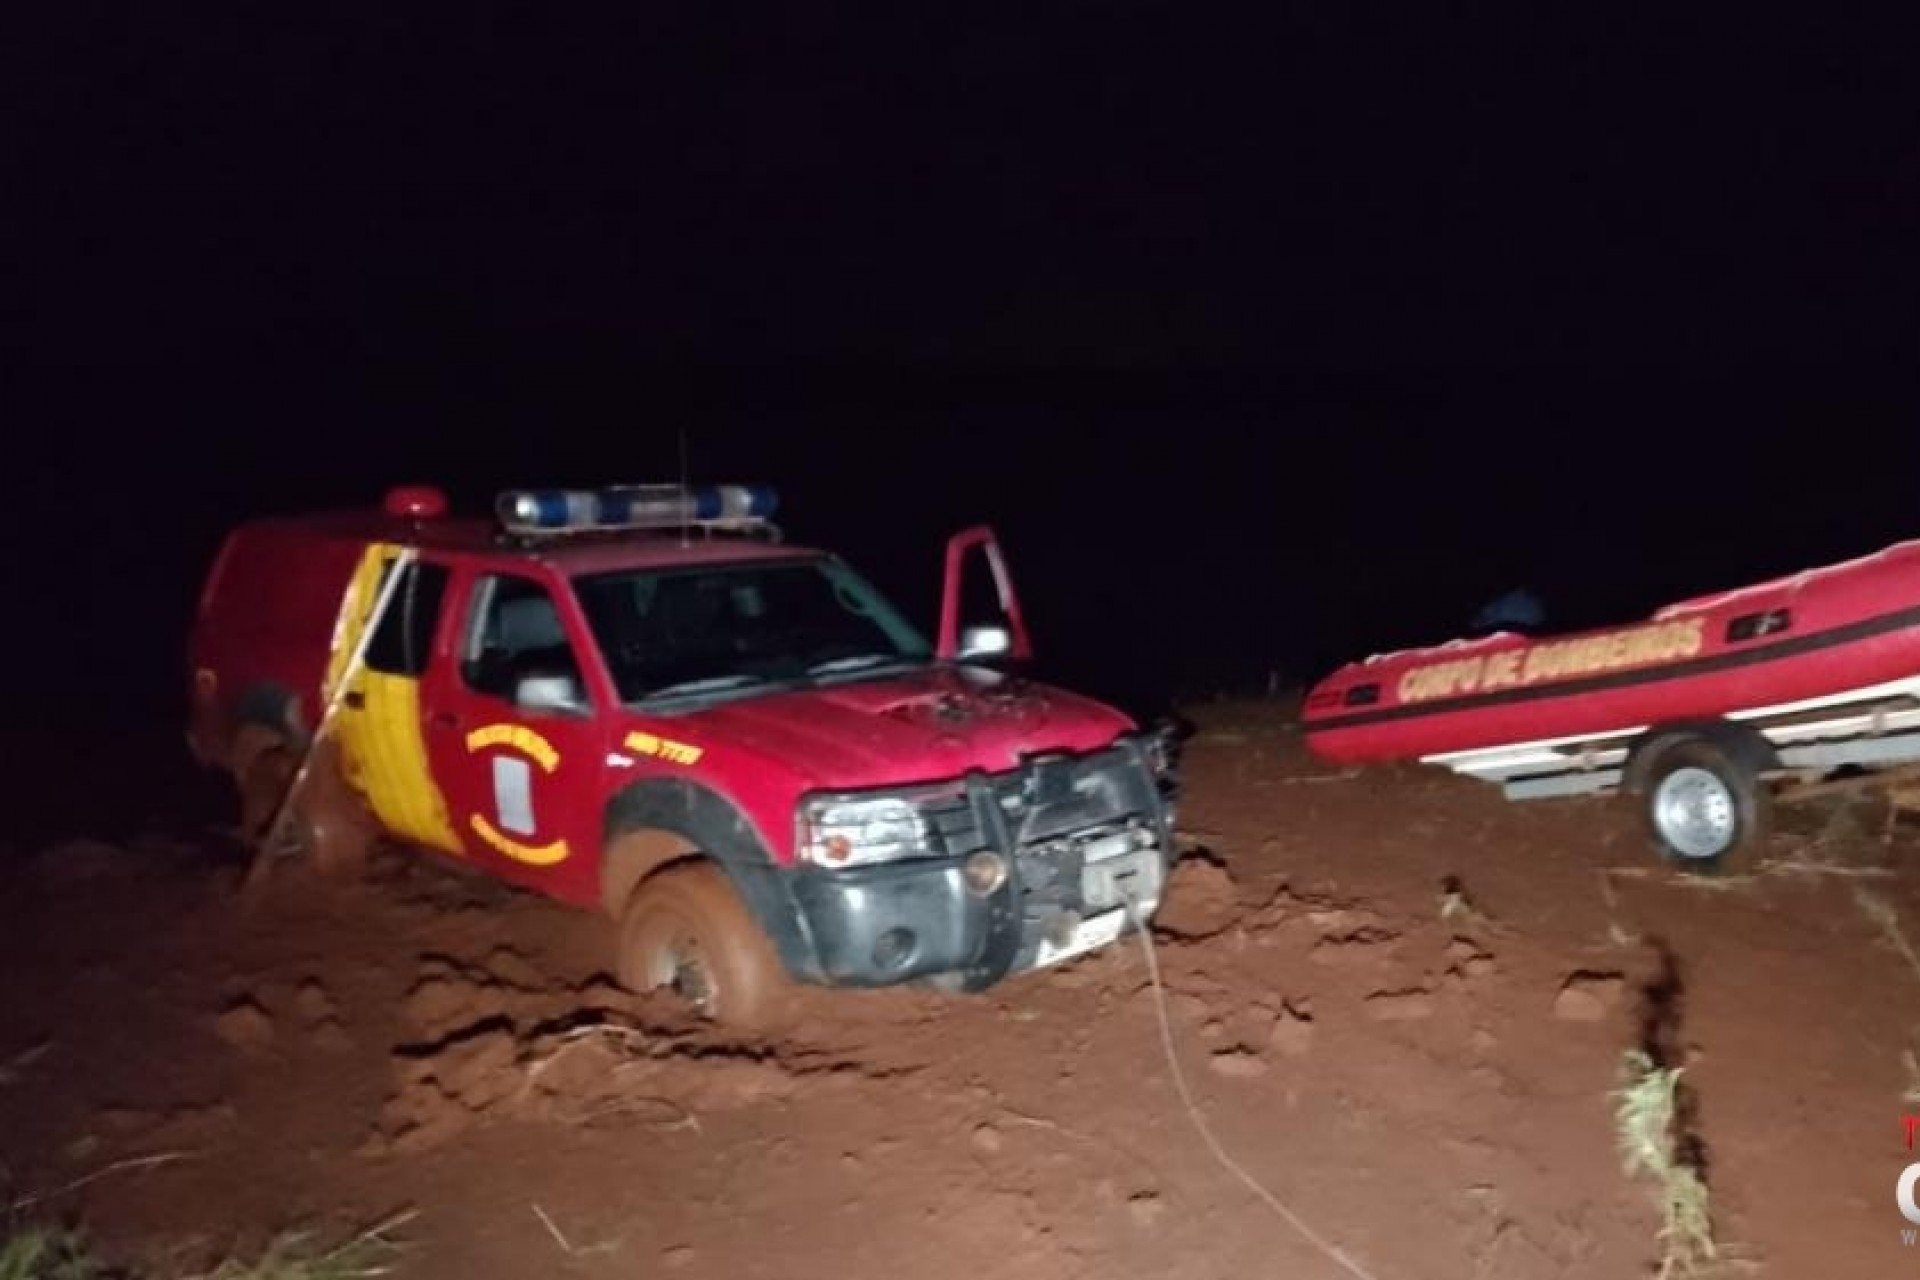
pixel 47 1253
pixel 1456 906
pixel 53 1253
pixel 1644 1120
pixel 297 1255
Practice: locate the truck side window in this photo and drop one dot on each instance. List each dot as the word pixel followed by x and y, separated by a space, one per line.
pixel 514 634
pixel 403 642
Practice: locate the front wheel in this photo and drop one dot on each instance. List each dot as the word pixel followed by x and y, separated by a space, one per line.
pixel 685 928
pixel 1707 811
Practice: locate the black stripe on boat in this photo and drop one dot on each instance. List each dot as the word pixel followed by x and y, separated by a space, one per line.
pixel 1813 642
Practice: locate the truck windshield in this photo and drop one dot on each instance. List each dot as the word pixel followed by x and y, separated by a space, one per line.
pixel 713 629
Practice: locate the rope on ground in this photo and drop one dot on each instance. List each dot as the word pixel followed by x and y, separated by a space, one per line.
pixel 1214 1147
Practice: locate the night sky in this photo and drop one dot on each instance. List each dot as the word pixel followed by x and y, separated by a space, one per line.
pixel 1266 336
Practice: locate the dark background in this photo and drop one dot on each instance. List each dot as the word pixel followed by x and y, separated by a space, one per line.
pixel 1267 336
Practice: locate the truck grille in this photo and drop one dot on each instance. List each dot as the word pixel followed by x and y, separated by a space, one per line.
pixel 1048 798
pixel 1055 812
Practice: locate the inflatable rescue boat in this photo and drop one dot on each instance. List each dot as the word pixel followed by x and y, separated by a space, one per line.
pixel 1797 675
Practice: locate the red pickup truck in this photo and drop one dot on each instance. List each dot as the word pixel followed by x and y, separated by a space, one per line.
pixel 642 700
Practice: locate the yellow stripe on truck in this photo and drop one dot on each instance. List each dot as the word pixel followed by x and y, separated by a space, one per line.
pixel 383 749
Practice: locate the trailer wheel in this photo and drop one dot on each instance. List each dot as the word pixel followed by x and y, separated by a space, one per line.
pixel 685 928
pixel 1706 809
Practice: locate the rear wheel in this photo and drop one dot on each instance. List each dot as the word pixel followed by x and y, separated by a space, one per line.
pixel 326 823
pixel 686 929
pixel 1707 810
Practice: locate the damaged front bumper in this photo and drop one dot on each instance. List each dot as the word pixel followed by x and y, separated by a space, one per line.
pixel 1033 866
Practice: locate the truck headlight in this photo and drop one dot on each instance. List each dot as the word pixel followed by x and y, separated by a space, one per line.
pixel 845 831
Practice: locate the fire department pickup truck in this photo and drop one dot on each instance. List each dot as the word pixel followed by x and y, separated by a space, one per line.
pixel 642 700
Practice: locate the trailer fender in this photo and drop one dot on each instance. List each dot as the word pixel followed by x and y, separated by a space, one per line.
pixel 1741 742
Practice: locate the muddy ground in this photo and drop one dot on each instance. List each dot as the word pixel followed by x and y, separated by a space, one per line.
pixel 1401 1003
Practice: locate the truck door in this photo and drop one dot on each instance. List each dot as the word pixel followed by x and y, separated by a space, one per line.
pixel 972 623
pixel 513 735
pixel 383 752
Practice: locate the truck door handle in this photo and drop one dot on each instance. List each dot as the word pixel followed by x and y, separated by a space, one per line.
pixel 355 699
pixel 444 720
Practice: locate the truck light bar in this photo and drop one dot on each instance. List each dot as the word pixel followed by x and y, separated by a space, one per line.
pixel 634 507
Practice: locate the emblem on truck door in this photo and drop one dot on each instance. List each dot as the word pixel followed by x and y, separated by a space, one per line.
pixel 513 792
pixel 521 739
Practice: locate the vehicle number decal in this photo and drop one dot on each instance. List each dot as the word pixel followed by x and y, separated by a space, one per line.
pixel 648 744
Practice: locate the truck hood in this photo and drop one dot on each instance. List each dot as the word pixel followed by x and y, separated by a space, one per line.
pixel 927 725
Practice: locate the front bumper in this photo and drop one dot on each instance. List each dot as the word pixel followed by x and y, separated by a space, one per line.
pixel 875 926
pixel 1085 841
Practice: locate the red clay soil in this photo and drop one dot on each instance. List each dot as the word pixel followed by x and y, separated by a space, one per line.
pixel 1402 1004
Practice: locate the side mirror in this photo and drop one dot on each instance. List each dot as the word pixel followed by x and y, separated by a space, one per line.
pixel 547 693
pixel 985 642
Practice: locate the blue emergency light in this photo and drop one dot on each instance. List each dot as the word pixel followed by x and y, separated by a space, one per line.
pixel 634 507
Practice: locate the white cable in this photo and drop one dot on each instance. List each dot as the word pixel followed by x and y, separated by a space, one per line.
pixel 1219 1152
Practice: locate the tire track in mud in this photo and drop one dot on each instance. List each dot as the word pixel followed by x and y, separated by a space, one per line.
pixel 497 1040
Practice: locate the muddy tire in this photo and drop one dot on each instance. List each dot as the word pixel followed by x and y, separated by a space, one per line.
pixel 262 780
pixel 1706 810
pixel 687 929
pixel 328 825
